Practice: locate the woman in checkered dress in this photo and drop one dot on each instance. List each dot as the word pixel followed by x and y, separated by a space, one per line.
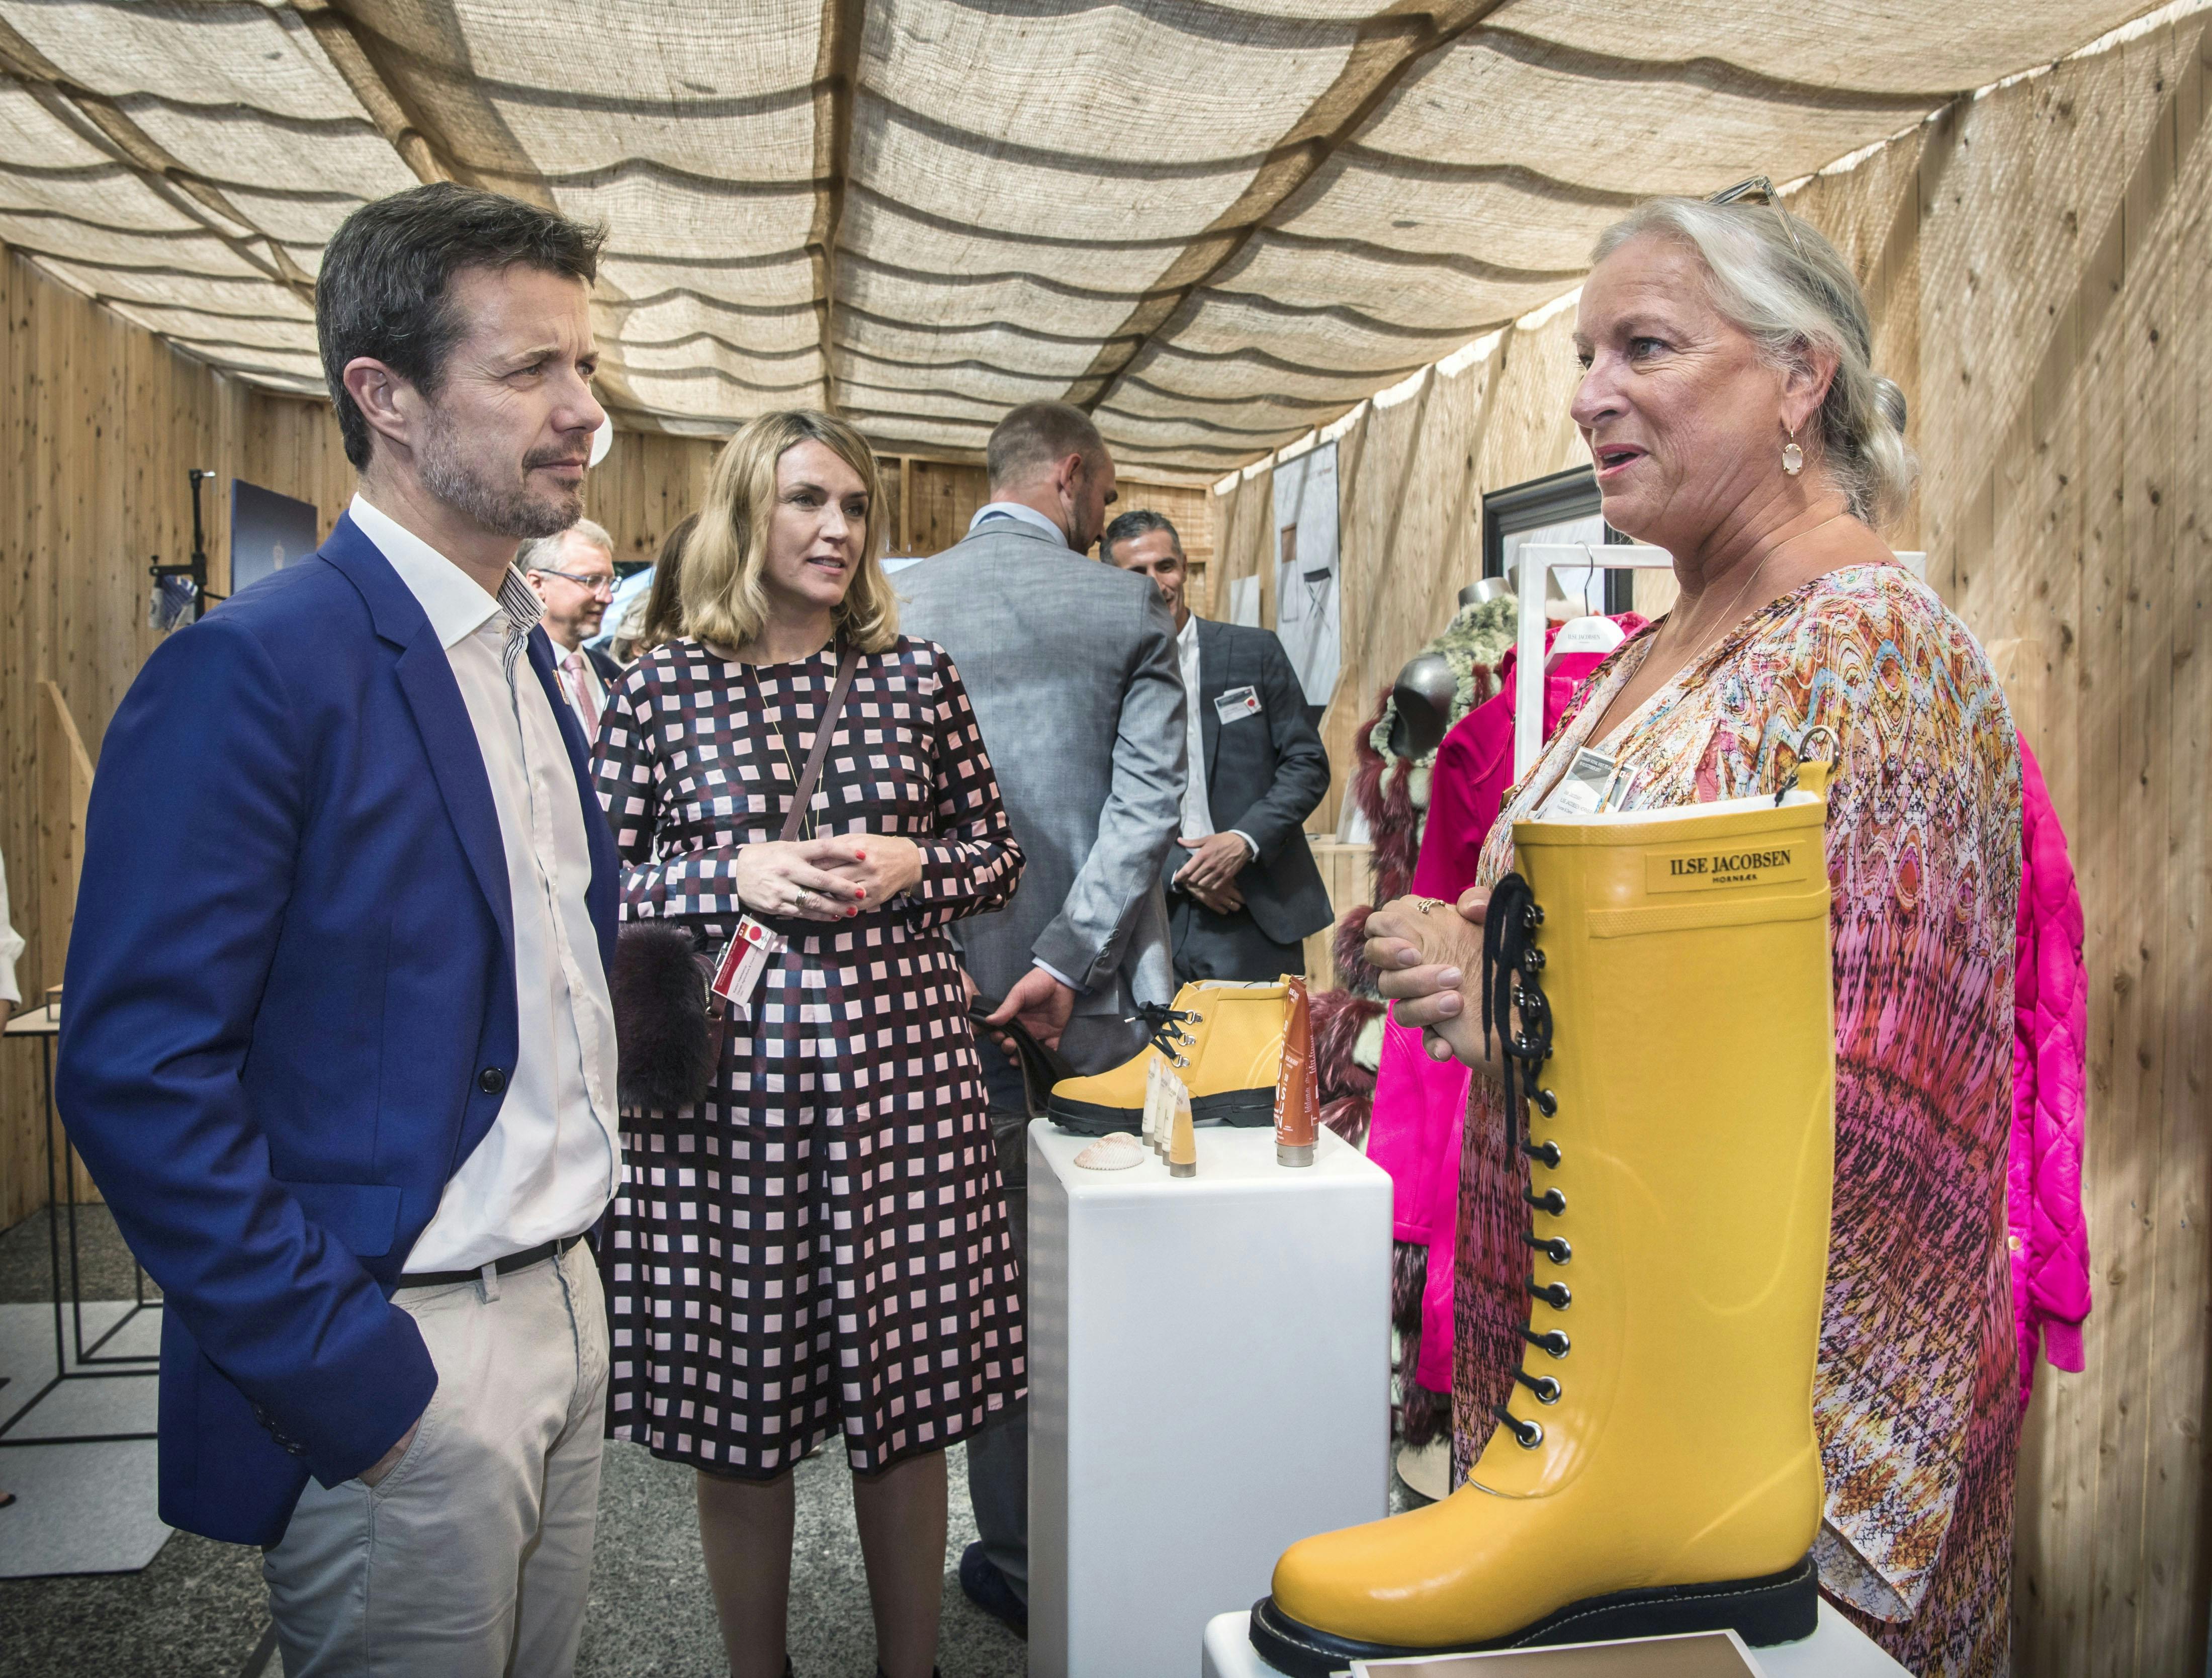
pixel 822 1245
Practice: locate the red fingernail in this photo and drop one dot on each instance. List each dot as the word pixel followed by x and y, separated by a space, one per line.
pixel 850 913
pixel 860 856
pixel 862 890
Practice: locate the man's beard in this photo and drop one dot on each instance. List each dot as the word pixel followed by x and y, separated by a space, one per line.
pixel 504 509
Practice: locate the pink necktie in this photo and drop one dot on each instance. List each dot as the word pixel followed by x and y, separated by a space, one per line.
pixel 574 664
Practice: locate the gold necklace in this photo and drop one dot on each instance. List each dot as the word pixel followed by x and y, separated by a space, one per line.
pixel 783 744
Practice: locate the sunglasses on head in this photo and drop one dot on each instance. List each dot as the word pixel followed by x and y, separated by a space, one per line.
pixel 1759 190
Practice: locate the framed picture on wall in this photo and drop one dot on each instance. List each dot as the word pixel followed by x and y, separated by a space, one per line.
pixel 1561 508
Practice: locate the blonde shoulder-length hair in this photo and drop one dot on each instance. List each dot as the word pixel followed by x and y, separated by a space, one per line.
pixel 720 585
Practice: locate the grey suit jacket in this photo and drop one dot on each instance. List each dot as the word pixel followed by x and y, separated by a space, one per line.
pixel 1071 666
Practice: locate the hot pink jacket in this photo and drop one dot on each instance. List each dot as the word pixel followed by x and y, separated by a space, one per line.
pixel 2049 1241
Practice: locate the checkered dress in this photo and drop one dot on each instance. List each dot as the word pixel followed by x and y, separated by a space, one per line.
pixel 823 1243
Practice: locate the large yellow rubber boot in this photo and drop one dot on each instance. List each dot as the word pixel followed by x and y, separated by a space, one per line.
pixel 1225 1040
pixel 1656 1470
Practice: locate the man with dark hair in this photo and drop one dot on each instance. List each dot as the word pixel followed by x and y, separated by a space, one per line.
pixel 1070 668
pixel 1243 893
pixel 339 1048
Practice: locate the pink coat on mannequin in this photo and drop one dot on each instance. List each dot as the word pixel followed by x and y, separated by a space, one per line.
pixel 2049 1241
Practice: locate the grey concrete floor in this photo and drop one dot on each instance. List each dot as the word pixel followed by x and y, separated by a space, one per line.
pixel 197 1611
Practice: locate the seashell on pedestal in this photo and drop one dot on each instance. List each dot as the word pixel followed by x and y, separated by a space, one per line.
pixel 1115 1151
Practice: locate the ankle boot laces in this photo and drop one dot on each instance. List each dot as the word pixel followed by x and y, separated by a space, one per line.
pixel 1165 1025
pixel 1511 966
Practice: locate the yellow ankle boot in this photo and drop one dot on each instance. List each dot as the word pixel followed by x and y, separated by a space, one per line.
pixel 1225 1039
pixel 1656 1471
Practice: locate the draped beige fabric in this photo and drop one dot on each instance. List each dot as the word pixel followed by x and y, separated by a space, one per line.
pixel 1214 223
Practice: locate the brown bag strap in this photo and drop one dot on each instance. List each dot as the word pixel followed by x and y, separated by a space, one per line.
pixel 848 660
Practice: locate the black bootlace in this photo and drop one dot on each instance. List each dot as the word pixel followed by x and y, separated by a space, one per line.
pixel 1165 1024
pixel 1517 1017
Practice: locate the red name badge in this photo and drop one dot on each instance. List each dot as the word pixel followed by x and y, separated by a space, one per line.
pixel 744 959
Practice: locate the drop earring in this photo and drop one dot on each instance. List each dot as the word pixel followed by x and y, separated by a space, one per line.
pixel 1793 458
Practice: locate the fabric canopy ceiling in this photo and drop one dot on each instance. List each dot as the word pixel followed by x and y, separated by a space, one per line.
pixel 1214 223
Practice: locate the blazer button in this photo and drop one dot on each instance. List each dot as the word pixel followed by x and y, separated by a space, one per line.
pixel 491 1081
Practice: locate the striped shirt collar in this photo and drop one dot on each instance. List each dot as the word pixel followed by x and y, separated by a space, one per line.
pixel 455 604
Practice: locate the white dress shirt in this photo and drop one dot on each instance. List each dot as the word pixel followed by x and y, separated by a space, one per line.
pixel 547 1168
pixel 1197 811
pixel 1197 814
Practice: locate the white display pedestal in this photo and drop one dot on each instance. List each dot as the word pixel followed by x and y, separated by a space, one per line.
pixel 1837 1648
pixel 1209 1383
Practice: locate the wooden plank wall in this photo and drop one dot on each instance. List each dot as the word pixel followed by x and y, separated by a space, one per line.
pixel 2039 262
pixel 98 423
pixel 2064 254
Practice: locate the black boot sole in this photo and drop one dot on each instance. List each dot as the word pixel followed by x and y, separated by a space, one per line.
pixel 1242 1110
pixel 1781 1607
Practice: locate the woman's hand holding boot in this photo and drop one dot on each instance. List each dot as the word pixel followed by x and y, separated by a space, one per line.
pixel 1428 958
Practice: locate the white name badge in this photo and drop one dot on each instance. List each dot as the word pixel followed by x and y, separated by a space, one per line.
pixel 1583 790
pixel 744 959
pixel 1237 702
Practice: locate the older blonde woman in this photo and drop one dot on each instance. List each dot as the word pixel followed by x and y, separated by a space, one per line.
pixel 1729 407
pixel 821 1245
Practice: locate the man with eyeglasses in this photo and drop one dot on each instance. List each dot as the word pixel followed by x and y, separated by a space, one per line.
pixel 573 574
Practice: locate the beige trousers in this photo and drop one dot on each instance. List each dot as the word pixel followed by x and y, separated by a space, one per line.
pixel 472 1558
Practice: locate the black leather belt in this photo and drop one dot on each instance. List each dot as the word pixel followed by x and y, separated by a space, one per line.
pixel 513 1262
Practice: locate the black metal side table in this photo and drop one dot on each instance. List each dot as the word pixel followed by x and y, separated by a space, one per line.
pixel 92 1362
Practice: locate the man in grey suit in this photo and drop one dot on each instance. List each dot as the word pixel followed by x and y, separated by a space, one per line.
pixel 1071 666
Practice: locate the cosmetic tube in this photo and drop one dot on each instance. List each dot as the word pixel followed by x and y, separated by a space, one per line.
pixel 1297 1091
pixel 1183 1143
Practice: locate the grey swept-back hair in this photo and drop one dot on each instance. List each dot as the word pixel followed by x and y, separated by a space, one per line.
pixel 543 553
pixel 1790 296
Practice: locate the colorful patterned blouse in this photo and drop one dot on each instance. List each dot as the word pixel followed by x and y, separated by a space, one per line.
pixel 1915 1398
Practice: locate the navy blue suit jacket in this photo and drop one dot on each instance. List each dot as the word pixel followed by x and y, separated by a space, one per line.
pixel 290 1013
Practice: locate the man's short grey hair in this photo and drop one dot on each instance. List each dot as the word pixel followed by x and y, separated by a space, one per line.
pixel 1141 521
pixel 1035 435
pixel 1791 294
pixel 543 553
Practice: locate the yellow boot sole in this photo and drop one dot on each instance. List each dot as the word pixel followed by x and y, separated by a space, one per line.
pixel 1781 1607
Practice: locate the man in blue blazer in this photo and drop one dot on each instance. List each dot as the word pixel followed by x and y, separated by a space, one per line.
pixel 336 1045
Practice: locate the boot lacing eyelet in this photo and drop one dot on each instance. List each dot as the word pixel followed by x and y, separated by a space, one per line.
pixel 1546 1390
pixel 1527 1434
pixel 1554 1294
pixel 1552 1341
pixel 1164 1026
pixel 1545 1153
pixel 1553 1248
pixel 1550 1202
